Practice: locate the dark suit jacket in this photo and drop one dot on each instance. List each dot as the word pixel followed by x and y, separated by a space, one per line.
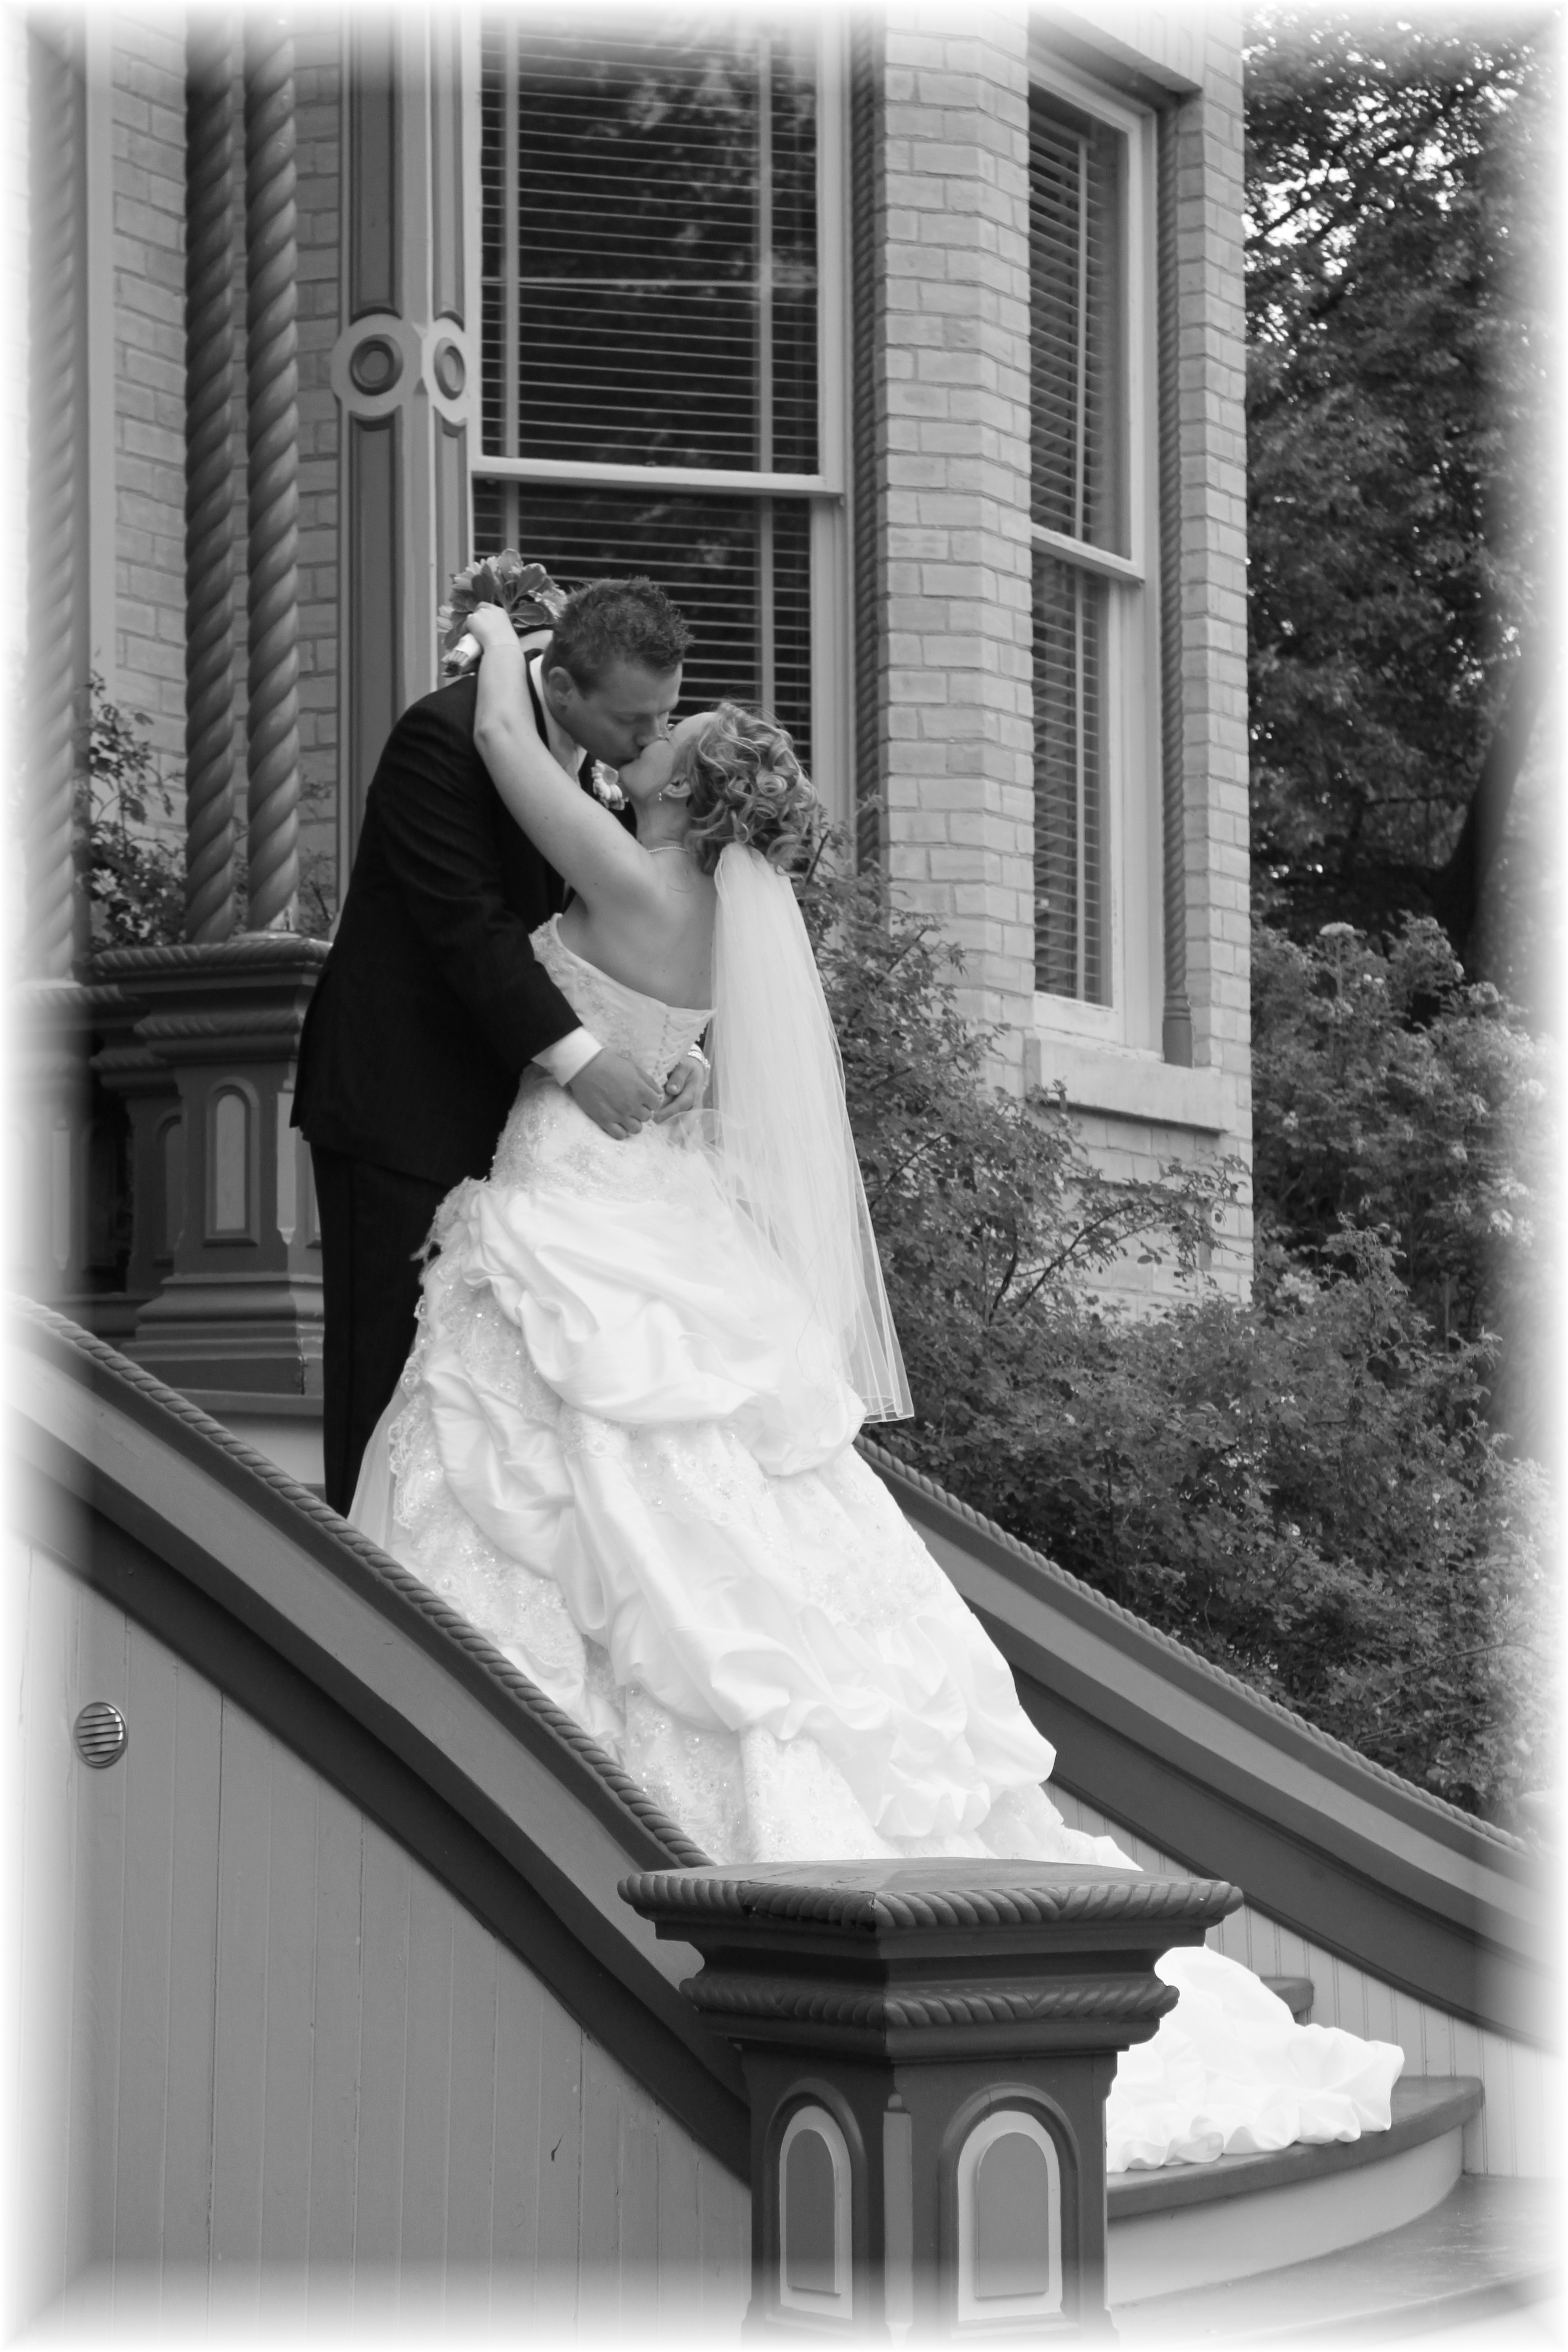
pixel 431 1003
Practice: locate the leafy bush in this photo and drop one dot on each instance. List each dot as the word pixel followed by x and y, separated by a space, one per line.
pixel 136 877
pixel 1391 1093
pixel 135 874
pixel 982 1205
pixel 1307 1491
pixel 1304 1488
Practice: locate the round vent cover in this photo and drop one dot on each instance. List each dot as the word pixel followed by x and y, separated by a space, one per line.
pixel 101 1734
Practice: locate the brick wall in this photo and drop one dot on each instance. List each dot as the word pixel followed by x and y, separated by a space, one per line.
pixel 1212 359
pixel 955 683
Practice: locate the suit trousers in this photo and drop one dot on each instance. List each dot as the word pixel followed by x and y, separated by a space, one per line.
pixel 375 1222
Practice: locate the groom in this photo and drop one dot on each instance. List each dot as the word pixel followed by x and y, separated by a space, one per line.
pixel 432 1003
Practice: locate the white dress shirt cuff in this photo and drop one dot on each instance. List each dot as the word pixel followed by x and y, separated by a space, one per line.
pixel 568 1056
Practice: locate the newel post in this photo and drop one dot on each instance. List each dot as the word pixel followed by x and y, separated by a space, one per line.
pixel 928 2047
pixel 224 1252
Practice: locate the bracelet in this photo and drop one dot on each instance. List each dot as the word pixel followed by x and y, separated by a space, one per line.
pixel 696 1054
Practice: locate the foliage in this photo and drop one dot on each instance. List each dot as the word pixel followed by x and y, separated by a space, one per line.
pixel 316 908
pixel 985 1205
pixel 1389 1094
pixel 1397 384
pixel 134 877
pixel 1304 1488
pixel 135 874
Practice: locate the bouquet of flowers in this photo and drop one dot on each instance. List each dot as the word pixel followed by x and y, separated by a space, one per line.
pixel 531 600
pixel 525 592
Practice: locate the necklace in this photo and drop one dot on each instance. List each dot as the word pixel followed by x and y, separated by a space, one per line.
pixel 668 849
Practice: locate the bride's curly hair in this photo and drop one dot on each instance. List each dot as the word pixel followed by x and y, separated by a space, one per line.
pixel 747 786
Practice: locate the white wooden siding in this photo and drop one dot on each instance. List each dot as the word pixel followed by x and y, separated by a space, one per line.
pixel 266 2050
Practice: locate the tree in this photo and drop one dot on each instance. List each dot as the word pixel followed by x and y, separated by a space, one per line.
pixel 1395 379
pixel 1392 1095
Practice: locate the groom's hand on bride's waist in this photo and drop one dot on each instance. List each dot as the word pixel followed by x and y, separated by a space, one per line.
pixel 616 1094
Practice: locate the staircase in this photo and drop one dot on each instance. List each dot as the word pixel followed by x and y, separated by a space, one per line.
pixel 1385 2236
pixel 352 1718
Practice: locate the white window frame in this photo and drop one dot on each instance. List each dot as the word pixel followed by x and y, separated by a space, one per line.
pixel 832 732
pixel 1132 840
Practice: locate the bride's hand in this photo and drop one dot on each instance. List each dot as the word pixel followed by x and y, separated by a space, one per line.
pixel 652 767
pixel 490 624
pixel 503 663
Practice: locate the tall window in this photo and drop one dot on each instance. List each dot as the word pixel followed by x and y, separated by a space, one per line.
pixel 654 316
pixel 1082 527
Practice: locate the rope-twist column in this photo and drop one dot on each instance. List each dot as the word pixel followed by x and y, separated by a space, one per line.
pixel 209 491
pixel 272 439
pixel 54 568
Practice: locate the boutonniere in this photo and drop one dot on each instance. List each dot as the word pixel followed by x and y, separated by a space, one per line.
pixel 525 592
pixel 605 785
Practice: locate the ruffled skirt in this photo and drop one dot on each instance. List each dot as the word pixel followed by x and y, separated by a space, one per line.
pixel 622 1451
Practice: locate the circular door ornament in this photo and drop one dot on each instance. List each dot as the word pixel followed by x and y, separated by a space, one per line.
pixel 375 365
pixel 451 369
pixel 101 1734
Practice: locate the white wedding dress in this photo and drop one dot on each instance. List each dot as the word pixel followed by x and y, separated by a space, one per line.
pixel 624 1451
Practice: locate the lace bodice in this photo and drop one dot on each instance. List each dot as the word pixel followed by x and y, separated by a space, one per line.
pixel 654 1035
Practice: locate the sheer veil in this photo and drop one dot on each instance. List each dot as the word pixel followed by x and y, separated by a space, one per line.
pixel 784 1146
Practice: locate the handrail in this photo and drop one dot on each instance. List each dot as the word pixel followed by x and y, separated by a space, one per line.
pixel 894 1472
pixel 410 1589
pixel 379 1685
pixel 1225 1781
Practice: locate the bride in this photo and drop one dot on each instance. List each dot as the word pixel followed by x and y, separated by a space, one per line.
pixel 623 1445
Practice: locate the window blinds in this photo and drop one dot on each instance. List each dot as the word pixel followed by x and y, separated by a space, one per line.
pixel 649 243
pixel 1068 677
pixel 738 569
pixel 1076 376
pixel 1075 342
pixel 649 298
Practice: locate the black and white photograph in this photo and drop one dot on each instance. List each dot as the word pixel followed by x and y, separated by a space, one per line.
pixel 786 917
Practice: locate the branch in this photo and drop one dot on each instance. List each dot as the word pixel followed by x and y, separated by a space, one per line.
pixel 1352 200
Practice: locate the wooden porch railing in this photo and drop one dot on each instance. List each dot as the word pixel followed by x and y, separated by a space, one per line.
pixel 165 1200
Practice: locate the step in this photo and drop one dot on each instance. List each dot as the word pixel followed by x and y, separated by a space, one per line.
pixel 1298 1994
pixel 1487 2254
pixel 1197 2225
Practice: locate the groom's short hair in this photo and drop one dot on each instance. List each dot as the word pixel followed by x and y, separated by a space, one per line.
pixel 617 620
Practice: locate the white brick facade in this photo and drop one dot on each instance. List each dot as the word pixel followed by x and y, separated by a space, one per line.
pixel 955 675
pixel 951 459
pixel 956 654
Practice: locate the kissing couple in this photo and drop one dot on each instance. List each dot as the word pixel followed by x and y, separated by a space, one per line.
pixel 605 1314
